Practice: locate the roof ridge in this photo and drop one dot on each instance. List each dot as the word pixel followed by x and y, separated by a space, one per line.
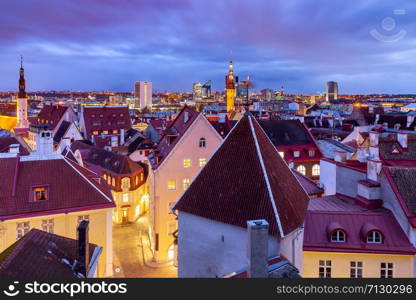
pixel 266 178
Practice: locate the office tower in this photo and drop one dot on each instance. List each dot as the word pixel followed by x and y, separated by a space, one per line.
pixel 197 90
pixel 206 90
pixel 331 90
pixel 143 94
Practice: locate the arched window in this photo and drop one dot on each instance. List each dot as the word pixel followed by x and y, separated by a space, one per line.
pixel 338 236
pixel 301 169
pixel 374 237
pixel 202 143
pixel 316 170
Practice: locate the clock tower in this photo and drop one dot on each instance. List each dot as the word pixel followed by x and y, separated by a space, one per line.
pixel 22 99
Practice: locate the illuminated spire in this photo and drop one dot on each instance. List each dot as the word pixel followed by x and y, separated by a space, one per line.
pixel 22 83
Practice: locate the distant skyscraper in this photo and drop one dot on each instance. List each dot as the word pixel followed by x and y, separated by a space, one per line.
pixel 21 113
pixel 206 90
pixel 197 90
pixel 143 94
pixel 331 90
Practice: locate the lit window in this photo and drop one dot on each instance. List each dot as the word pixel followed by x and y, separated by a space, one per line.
pixel 186 163
pixel 185 183
pixel 105 131
pixel 386 270
pixel 40 193
pixel 171 185
pixel 202 143
pixel 374 237
pixel 137 180
pixel 282 154
pixel 82 218
pixel 338 236
pixel 301 169
pixel 324 268
pixel 95 132
pixel 141 176
pixel 109 180
pixel 47 225
pixel 296 154
pixel 113 181
pixel 22 229
pixel 125 197
pixel 115 131
pixel 316 170
pixel 202 162
pixel 356 270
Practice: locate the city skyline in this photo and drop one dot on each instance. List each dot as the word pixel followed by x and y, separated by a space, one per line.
pixel 108 45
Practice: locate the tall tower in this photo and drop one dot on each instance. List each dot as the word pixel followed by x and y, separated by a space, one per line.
pixel 230 88
pixel 21 107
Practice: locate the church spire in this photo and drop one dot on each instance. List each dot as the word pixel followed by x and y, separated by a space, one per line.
pixel 22 83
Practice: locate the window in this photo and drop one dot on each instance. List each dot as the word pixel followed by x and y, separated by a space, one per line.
pixel 113 181
pixel 374 237
pixel 109 180
pixel 202 162
pixel 82 218
pixel 105 131
pixel 40 193
pixel 141 176
pixel 338 236
pixel 356 270
pixel 316 170
pixel 125 197
pixel 386 270
pixel 115 131
pixel 324 268
pixel 296 154
pixel 137 179
pixel 95 132
pixel 186 163
pixel 301 169
pixel 282 154
pixel 171 185
pixel 202 143
pixel 47 225
pixel 22 229
pixel 311 153
pixel 185 183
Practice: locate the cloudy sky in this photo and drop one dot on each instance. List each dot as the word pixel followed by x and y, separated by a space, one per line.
pixel 368 46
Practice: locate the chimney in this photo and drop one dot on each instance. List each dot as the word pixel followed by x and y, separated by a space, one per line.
pixel 83 248
pixel 373 169
pixel 257 248
pixel 340 156
pixel 402 139
pixel 14 148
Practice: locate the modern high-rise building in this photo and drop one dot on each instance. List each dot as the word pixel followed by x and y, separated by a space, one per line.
pixel 143 94
pixel 197 90
pixel 331 90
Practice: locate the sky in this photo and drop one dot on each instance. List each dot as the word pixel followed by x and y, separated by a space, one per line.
pixel 367 46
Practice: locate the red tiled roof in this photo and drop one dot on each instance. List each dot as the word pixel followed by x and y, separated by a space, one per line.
pixel 106 118
pixel 173 134
pixel 39 254
pixel 354 220
pixel 234 186
pixel 70 187
pixel 51 115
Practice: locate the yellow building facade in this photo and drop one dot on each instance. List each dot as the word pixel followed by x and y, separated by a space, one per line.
pixel 345 265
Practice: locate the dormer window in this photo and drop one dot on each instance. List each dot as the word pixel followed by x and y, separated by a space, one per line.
pixel 40 193
pixel 338 236
pixel 374 237
pixel 311 153
pixel 296 153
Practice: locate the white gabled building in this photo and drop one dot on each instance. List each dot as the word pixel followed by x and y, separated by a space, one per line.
pixel 182 152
